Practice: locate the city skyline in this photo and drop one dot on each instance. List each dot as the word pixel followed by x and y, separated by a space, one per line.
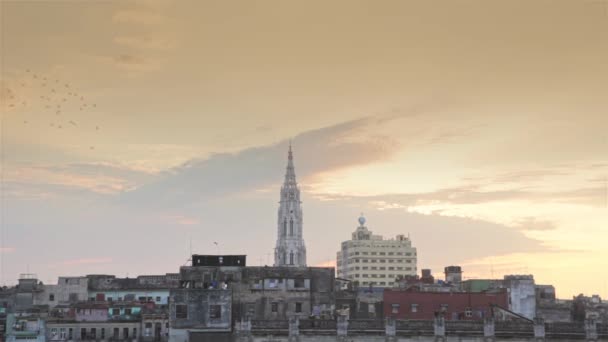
pixel 484 140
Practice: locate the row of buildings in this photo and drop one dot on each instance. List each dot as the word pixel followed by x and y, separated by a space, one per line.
pixel 210 299
pixel 217 297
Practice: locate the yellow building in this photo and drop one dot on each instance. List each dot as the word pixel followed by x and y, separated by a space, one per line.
pixel 372 260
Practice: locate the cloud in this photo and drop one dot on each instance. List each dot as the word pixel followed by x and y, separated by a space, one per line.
pixel 130 62
pixel 141 17
pixel 145 43
pixel 322 150
pixel 531 223
pixel 42 181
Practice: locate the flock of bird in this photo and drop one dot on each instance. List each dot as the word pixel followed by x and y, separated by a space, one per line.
pixel 60 99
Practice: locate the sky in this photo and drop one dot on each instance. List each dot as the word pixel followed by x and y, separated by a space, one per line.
pixel 135 133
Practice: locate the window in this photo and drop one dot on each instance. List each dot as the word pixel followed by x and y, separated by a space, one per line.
pixel 116 334
pixel 51 297
pixel 62 333
pixel 158 298
pixel 128 311
pixel 115 312
pixel 395 308
pixel 291 227
pixel 142 299
pixel 468 312
pixel 103 333
pixel 70 334
pixel 148 329
pixel 125 333
pixel 382 253
pixel 285 226
pixel 181 311
pixel 274 307
pixel 134 332
pixel 298 307
pixel 109 299
pixel 374 253
pixel 298 283
pixel 215 311
pixel 83 333
pixel 291 258
pixel 414 307
pixel 93 333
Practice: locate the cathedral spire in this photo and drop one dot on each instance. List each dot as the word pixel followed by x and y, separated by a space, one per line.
pixel 290 249
pixel 290 173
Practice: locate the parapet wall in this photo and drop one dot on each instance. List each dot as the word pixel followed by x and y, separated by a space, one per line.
pixel 436 330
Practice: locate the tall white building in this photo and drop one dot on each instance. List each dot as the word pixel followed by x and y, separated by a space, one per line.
pixel 372 260
pixel 290 249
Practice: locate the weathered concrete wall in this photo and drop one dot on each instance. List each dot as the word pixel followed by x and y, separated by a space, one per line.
pixel 255 289
pixel 67 290
pixel 198 303
pixel 522 294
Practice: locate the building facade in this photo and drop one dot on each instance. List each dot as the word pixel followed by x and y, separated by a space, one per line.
pixel 400 304
pixel 290 249
pixel 371 260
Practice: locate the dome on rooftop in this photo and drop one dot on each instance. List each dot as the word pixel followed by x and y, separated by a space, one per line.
pixel 361 219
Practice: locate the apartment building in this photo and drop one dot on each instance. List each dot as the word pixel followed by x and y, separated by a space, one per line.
pixel 371 260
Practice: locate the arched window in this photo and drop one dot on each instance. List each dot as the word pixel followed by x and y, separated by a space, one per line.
pixel 291 258
pixel 285 226
pixel 284 257
pixel 291 227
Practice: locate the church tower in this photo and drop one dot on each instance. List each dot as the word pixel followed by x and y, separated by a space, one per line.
pixel 290 250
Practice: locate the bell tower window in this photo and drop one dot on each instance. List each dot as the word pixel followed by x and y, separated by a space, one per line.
pixel 291 227
pixel 291 258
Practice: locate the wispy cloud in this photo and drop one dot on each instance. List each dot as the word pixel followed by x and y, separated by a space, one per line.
pixel 139 16
pixel 144 43
pixel 317 151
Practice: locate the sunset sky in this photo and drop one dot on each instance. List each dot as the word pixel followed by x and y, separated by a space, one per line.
pixel 480 128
